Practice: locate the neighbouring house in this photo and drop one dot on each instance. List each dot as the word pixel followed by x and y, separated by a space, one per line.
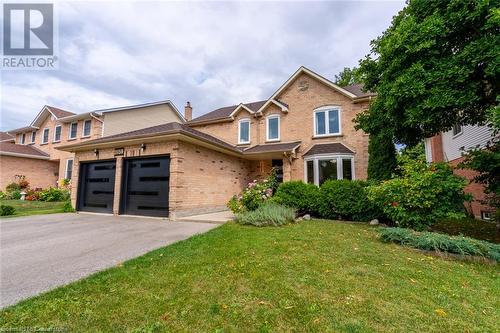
pixel 449 147
pixel 32 150
pixel 305 130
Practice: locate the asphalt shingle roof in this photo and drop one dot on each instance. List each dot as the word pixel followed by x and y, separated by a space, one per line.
pixel 8 147
pixel 224 112
pixel 328 148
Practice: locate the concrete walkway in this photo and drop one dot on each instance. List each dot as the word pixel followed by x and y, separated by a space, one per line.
pixel 39 253
pixel 218 217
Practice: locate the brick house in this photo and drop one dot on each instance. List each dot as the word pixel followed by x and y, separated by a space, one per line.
pixel 305 129
pixel 449 147
pixel 32 152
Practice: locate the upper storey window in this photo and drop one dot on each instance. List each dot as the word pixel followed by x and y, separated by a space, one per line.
pixel 33 136
pixel 23 138
pixel 57 133
pixel 327 121
pixel 244 131
pixel 273 128
pixel 457 129
pixel 86 127
pixel 45 135
pixel 73 129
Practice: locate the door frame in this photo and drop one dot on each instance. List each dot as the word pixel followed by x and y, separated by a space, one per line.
pixel 80 191
pixel 124 180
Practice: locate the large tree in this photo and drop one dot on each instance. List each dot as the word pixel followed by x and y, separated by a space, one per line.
pixel 438 64
pixel 348 76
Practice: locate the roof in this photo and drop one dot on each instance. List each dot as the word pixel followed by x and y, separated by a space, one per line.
pixel 59 113
pixel 12 149
pixel 357 89
pixel 272 147
pixel 23 129
pixel 164 129
pixel 225 112
pixel 4 136
pixel 328 148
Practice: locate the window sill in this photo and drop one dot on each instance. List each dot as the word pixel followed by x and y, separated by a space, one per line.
pixel 44 143
pixel 58 141
pixel 273 140
pixel 326 136
pixel 243 143
pixel 72 139
pixel 457 135
pixel 86 137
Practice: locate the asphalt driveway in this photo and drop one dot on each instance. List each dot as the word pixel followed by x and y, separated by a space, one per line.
pixel 39 253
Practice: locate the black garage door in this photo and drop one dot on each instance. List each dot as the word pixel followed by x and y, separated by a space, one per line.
pixel 96 188
pixel 145 186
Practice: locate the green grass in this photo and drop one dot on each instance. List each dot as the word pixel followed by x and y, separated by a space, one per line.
pixel 24 208
pixel 313 276
pixel 470 228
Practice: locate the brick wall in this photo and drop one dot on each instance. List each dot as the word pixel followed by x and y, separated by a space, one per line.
pixel 201 179
pixel 40 173
pixel 477 190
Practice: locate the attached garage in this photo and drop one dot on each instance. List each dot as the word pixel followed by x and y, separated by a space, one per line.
pixel 96 187
pixel 145 186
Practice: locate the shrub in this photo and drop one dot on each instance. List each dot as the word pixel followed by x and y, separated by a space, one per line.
pixel 268 214
pixel 7 210
pixel 432 241
pixel 32 195
pixel 3 195
pixel 15 195
pixel 54 194
pixel 12 187
pixel 256 193
pixel 347 200
pixel 381 157
pixel 68 208
pixel 299 195
pixel 421 196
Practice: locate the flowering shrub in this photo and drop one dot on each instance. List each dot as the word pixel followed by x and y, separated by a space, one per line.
pixel 256 193
pixel 421 196
pixel 54 194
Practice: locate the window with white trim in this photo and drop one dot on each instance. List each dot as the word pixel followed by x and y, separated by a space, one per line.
pixel 273 128
pixel 23 138
pixel 327 121
pixel 87 125
pixel 457 129
pixel 244 131
pixel 73 130
pixel 57 133
pixel 45 135
pixel 33 136
pixel 69 169
pixel 320 168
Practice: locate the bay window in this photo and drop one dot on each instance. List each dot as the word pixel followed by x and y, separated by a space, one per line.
pixel 244 131
pixel 327 121
pixel 321 168
pixel 273 128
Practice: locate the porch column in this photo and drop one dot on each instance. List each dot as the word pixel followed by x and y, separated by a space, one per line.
pixel 118 185
pixel 287 170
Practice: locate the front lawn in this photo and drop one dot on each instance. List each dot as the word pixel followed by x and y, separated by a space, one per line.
pixel 24 207
pixel 313 276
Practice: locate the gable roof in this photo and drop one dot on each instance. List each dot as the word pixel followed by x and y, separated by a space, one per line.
pixel 23 129
pixel 4 136
pixel 354 92
pixel 45 111
pixel 272 147
pixel 12 149
pixel 225 113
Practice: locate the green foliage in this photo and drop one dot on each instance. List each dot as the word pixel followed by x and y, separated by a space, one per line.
pixel 3 195
pixel 256 193
pixel 409 154
pixel 6 210
pixel 268 214
pixel 381 157
pixel 68 208
pixel 299 195
pixel 14 186
pixel 347 200
pixel 14 195
pixel 422 195
pixel 432 241
pixel 54 194
pixel 348 76
pixel 435 66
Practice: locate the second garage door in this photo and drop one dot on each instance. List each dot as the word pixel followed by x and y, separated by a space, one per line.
pixel 145 186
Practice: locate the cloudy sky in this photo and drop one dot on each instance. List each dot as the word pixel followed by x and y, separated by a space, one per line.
pixel 211 53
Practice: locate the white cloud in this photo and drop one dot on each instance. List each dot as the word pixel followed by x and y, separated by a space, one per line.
pixel 213 54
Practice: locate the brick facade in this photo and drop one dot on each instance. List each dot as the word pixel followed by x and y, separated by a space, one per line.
pixel 201 179
pixel 39 173
pixel 298 124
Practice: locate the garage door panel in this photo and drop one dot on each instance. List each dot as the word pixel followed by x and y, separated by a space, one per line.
pixel 146 186
pixel 96 189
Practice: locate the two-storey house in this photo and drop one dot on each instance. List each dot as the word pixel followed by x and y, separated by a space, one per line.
pixel 305 129
pixel 32 152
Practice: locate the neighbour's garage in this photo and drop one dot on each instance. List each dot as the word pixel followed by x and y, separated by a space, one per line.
pixel 96 187
pixel 145 186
